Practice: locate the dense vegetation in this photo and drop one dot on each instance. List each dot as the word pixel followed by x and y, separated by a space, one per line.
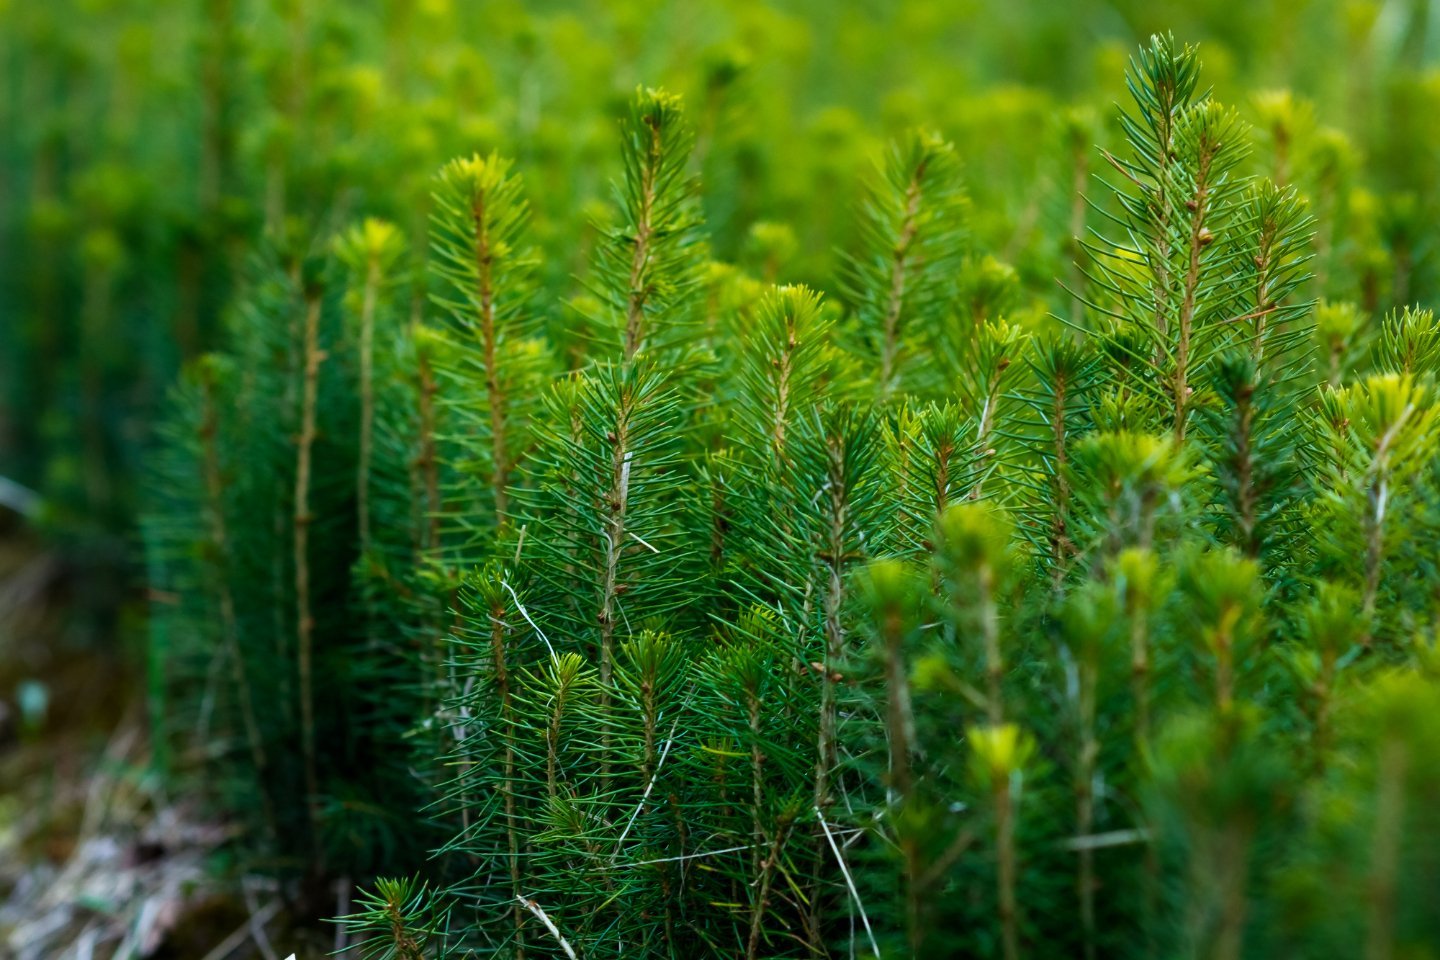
pixel 1048 572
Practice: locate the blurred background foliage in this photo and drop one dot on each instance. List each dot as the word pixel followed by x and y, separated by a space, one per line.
pixel 148 146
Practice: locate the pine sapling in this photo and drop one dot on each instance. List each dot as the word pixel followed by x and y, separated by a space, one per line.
pixel 1088 617
pixel 972 553
pixel 646 266
pixel 999 755
pixel 1331 625
pixel 369 251
pixel 400 920
pixel 1063 373
pixel 207 370
pixel 891 595
pixel 478 232
pixel 312 356
pixel 912 235
pixel 1137 578
pixel 1223 589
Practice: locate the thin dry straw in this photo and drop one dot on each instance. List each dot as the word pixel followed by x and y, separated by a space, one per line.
pixel 534 908
pixel 854 894
pixel 524 613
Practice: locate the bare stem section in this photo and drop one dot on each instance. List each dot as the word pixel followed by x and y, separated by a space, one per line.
pixel 312 358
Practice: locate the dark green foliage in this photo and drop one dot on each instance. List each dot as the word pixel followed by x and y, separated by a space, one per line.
pixel 731 622
pixel 912 237
pixel 267 641
pixel 645 265
pixel 400 920
pixel 485 268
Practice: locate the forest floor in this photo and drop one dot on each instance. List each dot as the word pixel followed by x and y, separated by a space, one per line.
pixel 97 858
